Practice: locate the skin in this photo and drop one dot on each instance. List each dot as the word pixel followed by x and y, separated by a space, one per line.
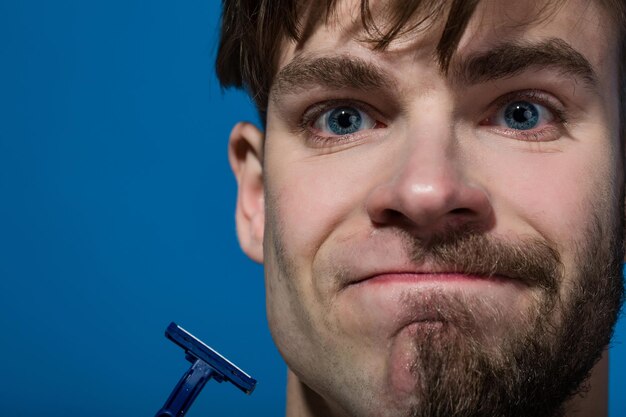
pixel 319 210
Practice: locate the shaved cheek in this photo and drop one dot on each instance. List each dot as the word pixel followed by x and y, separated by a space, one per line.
pixel 288 301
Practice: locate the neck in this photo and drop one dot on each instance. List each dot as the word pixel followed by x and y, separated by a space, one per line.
pixel 302 401
pixel 593 400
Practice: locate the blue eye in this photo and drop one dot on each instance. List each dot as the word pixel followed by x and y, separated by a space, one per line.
pixel 524 115
pixel 343 120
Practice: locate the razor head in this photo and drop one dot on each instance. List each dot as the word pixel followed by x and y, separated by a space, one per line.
pixel 223 369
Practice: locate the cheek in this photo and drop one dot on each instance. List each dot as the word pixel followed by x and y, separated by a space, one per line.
pixel 308 204
pixel 558 195
pixel 313 198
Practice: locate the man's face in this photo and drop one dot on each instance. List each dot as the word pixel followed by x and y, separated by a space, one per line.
pixel 434 237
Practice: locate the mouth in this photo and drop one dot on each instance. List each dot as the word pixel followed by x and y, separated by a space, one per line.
pixel 469 260
pixel 409 277
pixel 387 301
pixel 430 274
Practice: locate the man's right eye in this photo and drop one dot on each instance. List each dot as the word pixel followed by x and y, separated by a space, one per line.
pixel 343 120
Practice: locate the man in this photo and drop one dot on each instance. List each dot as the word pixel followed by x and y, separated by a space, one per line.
pixel 437 198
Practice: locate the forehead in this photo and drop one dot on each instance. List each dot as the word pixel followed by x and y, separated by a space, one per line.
pixel 586 26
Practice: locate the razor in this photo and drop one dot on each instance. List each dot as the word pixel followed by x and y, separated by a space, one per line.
pixel 206 364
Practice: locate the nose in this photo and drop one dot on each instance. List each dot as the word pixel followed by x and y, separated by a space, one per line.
pixel 429 192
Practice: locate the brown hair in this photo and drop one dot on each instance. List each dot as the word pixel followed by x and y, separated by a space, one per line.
pixel 253 30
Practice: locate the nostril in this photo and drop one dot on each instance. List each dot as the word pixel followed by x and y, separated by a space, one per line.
pixel 462 211
pixel 391 216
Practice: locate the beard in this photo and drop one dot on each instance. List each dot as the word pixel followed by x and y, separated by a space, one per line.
pixel 531 370
pixel 534 368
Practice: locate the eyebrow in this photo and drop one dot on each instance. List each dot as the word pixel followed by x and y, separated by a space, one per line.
pixel 512 58
pixel 333 72
pixel 505 60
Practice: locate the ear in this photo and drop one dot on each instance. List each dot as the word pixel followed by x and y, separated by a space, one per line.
pixel 245 153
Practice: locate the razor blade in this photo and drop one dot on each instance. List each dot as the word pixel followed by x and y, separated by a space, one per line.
pixel 206 364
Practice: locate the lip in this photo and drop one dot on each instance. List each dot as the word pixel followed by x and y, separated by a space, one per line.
pixel 424 274
pixel 389 278
pixel 383 303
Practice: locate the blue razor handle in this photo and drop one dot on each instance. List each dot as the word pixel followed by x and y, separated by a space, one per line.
pixel 206 364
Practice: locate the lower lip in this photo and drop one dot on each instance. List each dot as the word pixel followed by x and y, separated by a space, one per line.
pixel 417 278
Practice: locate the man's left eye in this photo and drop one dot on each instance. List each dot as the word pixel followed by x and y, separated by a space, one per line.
pixel 523 115
pixel 343 120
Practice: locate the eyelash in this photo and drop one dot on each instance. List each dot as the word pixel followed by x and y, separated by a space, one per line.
pixel 544 134
pixel 317 110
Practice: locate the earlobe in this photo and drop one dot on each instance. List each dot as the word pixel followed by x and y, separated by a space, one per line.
pixel 245 150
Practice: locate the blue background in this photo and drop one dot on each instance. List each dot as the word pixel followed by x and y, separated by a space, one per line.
pixel 116 214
